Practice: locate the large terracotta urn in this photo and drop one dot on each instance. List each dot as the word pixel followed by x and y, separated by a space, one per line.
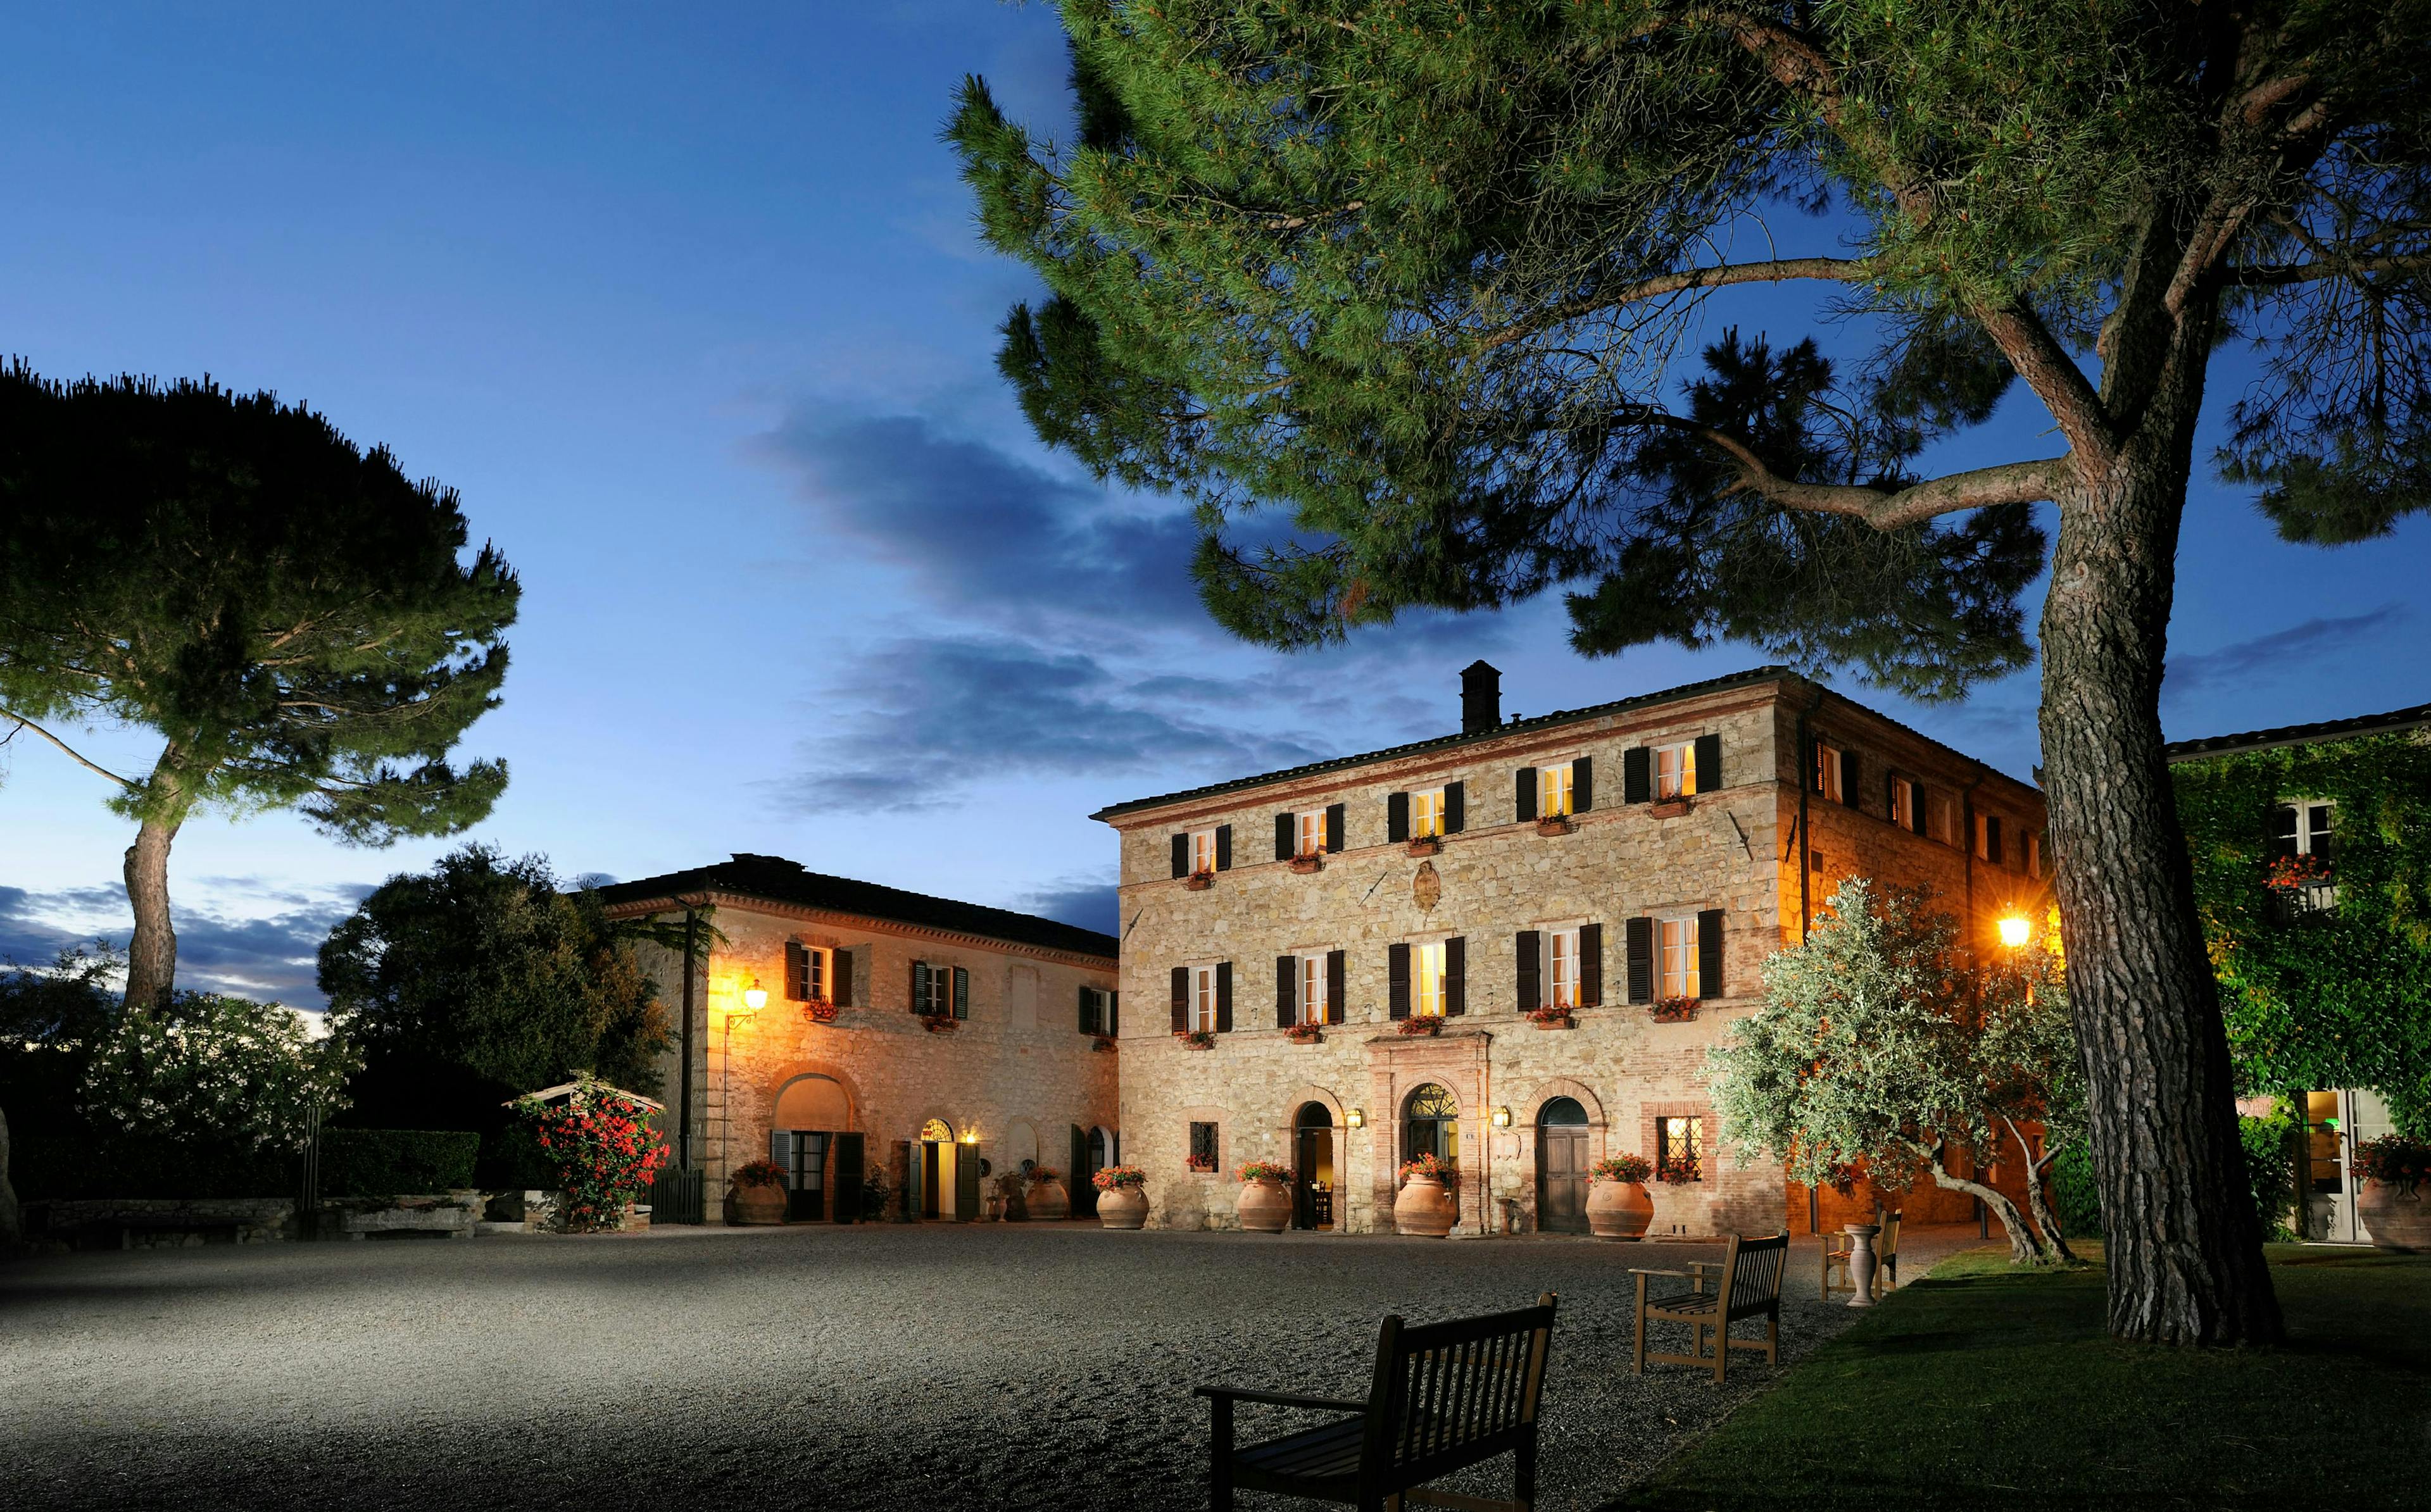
pixel 1619 1210
pixel 1265 1206
pixel 1425 1207
pixel 755 1205
pixel 1122 1207
pixel 1048 1202
pixel 2399 1219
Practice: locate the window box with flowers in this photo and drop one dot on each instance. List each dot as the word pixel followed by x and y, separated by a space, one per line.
pixel 1307 861
pixel 1305 1034
pixel 1265 1205
pixel 819 1012
pixel 2395 1204
pixel 1199 881
pixel 1673 1009
pixel 1619 1208
pixel 1426 844
pixel 1552 824
pixel 1122 1196
pixel 1552 1016
pixel 1201 1165
pixel 1426 1205
pixel 1195 1039
pixel 1102 1041
pixel 1669 808
pixel 938 1023
pixel 1420 1024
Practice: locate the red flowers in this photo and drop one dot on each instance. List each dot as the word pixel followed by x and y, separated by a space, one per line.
pixel 604 1148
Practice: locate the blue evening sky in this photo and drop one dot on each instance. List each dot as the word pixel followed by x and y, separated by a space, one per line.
pixel 686 302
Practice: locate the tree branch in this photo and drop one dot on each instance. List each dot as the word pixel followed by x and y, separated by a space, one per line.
pixel 2055 377
pixel 2281 274
pixel 2026 482
pixel 1779 269
pixel 25 723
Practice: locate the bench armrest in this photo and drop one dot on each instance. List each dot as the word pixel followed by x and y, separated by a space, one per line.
pixel 1640 1271
pixel 1277 1399
pixel 1701 1267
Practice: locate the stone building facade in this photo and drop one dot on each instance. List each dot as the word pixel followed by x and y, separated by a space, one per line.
pixel 936 1038
pixel 1691 834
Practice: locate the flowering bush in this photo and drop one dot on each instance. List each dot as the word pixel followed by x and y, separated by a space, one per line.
pixel 2394 1160
pixel 218 1070
pixel 1623 1167
pixel 2293 874
pixel 1263 1171
pixel 759 1174
pixel 1111 1178
pixel 1428 1165
pixel 603 1147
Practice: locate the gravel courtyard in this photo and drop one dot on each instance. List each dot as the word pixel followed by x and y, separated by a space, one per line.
pixel 1011 1366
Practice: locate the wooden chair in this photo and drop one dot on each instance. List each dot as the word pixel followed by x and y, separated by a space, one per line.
pixel 1837 1249
pixel 1444 1395
pixel 1747 1285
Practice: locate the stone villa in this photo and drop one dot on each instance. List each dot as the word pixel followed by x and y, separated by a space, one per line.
pixel 1633 862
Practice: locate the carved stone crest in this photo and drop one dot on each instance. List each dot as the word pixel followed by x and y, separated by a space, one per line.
pixel 1426 888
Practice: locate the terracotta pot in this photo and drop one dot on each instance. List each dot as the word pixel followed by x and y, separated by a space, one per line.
pixel 1425 1207
pixel 2399 1220
pixel 1265 1206
pixel 1619 1209
pixel 1048 1202
pixel 1122 1207
pixel 755 1205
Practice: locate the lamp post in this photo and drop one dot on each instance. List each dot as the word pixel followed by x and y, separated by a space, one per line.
pixel 2016 931
pixel 755 997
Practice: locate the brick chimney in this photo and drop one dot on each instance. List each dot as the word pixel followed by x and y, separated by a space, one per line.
pixel 1480 698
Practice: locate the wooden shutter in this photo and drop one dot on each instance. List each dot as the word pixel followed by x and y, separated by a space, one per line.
pixel 1181 999
pixel 842 966
pixel 1709 764
pixel 1637 774
pixel 1709 953
pixel 1397 818
pixel 851 1162
pixel 1455 807
pixel 1582 784
pixel 1641 959
pixel 1992 839
pixel 1223 847
pixel 1455 975
pixel 1182 855
pixel 1917 802
pixel 1334 814
pixel 1530 947
pixel 961 993
pixel 1338 984
pixel 1849 784
pixel 1396 981
pixel 1524 798
pixel 1286 841
pixel 798 973
pixel 919 986
pixel 1591 966
pixel 1223 997
pixel 1286 991
pixel 1115 1012
pixel 1088 1011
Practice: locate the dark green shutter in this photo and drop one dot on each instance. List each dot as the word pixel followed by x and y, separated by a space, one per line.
pixel 842 964
pixel 798 973
pixel 1590 966
pixel 1182 855
pixel 1334 815
pixel 1397 818
pixel 1115 1012
pixel 1709 953
pixel 1582 784
pixel 1455 987
pixel 1088 1011
pixel 1455 807
pixel 1181 999
pixel 961 993
pixel 1223 847
pixel 1524 797
pixel 1530 948
pixel 919 986
pixel 1223 997
pixel 1338 984
pixel 1396 981
pixel 1286 991
pixel 1637 774
pixel 1286 842
pixel 1641 959
pixel 851 1164
pixel 1709 764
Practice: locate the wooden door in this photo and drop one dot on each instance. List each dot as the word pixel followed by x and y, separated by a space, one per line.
pixel 850 1159
pixel 966 1184
pixel 929 1207
pixel 1562 1179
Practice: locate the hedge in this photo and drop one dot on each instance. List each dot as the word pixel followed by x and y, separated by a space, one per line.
pixel 83 1165
pixel 386 1162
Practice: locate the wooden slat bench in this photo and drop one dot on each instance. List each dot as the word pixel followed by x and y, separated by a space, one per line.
pixel 1444 1395
pixel 1746 1285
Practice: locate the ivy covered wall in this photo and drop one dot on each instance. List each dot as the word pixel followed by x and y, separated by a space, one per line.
pixel 2336 996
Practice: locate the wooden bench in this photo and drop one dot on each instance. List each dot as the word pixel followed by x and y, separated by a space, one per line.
pixel 1746 1285
pixel 1444 1395
pixel 1837 1247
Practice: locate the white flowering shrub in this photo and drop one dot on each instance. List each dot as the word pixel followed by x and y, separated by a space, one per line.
pixel 218 1070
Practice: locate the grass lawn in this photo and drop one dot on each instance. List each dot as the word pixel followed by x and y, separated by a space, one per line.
pixel 1978 1387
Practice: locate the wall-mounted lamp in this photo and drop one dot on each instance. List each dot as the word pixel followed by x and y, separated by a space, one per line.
pixel 1356 1117
pixel 755 997
pixel 2016 931
pixel 971 1136
pixel 1503 1117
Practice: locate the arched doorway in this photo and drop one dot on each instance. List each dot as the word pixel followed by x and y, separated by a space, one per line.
pixel 937 1169
pixel 811 1112
pixel 1312 1160
pixel 1431 1125
pixel 1562 1167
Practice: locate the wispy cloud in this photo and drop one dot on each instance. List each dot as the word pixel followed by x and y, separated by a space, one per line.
pixel 1086 902
pixel 269 957
pixel 2276 655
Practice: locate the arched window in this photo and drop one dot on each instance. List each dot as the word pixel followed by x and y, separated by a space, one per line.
pixel 936 1131
pixel 1562 1112
pixel 1431 1125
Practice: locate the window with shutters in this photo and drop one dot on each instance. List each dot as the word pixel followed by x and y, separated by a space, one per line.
pixel 1676 940
pixel 809 968
pixel 1202 852
pixel 1427 813
pixel 1823 777
pixel 1096 1010
pixel 1427 986
pixel 1562 968
pixel 1203 1155
pixel 1310 836
pixel 1203 998
pixel 1903 803
pixel 1680 1149
pixel 1553 792
pixel 1675 770
pixel 1311 986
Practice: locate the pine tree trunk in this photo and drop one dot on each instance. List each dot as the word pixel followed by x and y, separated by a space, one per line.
pixel 152 953
pixel 2184 1250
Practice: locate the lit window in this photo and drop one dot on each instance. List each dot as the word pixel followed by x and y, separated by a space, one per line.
pixel 1429 963
pixel 1553 792
pixel 1202 851
pixel 1427 813
pixel 1203 998
pixel 1903 803
pixel 1311 832
pixel 1312 988
pixel 1679 942
pixel 1680 1149
pixel 807 973
pixel 1562 949
pixel 1675 770
pixel 1988 838
pixel 1941 819
pixel 1825 778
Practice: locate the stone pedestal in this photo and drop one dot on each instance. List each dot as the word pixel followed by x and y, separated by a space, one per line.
pixel 1861 1263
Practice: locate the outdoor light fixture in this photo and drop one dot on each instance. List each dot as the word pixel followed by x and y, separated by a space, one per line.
pixel 2015 931
pixel 1356 1117
pixel 1503 1117
pixel 755 997
pixel 971 1136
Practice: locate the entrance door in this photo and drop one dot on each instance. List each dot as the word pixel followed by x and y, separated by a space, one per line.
pixel 1089 1158
pixel 1312 1160
pixel 1562 1167
pixel 802 1154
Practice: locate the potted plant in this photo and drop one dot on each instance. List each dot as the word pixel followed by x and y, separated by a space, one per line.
pixel 756 1193
pixel 1422 1023
pixel 2394 1204
pixel 1673 1009
pixel 819 1012
pixel 1307 862
pixel 1049 1201
pixel 1617 1208
pixel 1426 1205
pixel 1195 1039
pixel 1199 881
pixel 1203 1165
pixel 1266 1202
pixel 1012 1199
pixel 1122 1196
pixel 1426 844
pixel 1679 1171
pixel 1552 1016
pixel 1305 1034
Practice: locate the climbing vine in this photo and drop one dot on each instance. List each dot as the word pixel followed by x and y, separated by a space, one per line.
pixel 2330 996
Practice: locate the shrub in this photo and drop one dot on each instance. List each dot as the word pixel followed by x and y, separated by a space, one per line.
pixel 2271 1169
pixel 386 1162
pixel 75 1165
pixel 1623 1167
pixel 604 1148
pixel 2074 1194
pixel 2394 1160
